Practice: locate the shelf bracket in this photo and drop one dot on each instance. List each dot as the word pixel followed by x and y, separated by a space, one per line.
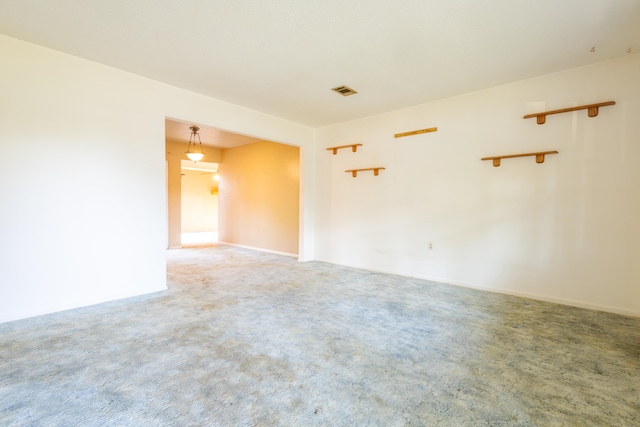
pixel 539 157
pixel 354 172
pixel 354 148
pixel 592 111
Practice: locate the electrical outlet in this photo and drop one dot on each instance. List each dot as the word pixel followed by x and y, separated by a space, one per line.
pixel 430 245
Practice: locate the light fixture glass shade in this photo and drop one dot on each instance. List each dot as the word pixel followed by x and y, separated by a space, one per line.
pixel 195 156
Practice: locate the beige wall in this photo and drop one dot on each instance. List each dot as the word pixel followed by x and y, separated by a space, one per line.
pixel 199 201
pixel 174 155
pixel 259 196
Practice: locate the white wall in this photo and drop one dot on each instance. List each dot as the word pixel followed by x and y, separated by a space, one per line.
pixel 96 229
pixel 567 230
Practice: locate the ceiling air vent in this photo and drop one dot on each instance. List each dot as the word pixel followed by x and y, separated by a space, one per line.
pixel 344 90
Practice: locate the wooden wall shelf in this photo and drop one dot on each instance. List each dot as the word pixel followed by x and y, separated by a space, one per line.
pixel 354 148
pixel 354 172
pixel 414 132
pixel 539 157
pixel 593 111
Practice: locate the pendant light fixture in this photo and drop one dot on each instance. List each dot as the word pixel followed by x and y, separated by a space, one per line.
pixel 194 155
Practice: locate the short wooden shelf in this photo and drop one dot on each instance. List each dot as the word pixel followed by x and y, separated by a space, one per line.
pixel 354 148
pixel 539 157
pixel 354 172
pixel 593 111
pixel 415 132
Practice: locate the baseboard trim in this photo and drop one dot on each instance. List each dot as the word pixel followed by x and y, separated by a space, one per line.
pixel 539 297
pixel 62 308
pixel 260 249
pixel 549 298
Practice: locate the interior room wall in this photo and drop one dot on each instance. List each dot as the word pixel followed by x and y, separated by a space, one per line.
pixel 566 230
pixel 259 196
pixel 88 222
pixel 199 202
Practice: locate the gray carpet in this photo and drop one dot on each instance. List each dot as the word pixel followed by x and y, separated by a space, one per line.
pixel 244 338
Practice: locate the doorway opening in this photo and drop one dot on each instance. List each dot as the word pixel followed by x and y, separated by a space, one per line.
pixel 199 203
pixel 255 202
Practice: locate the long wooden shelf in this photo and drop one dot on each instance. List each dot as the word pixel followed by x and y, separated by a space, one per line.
pixel 354 172
pixel 539 157
pixel 354 148
pixel 593 111
pixel 414 132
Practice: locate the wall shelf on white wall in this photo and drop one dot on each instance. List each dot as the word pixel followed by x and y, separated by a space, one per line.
pixel 354 148
pixel 593 111
pixel 354 172
pixel 415 132
pixel 539 157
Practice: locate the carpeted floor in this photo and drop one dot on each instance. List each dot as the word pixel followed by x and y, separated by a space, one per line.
pixel 245 338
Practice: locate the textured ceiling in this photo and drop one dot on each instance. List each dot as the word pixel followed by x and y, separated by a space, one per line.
pixel 282 57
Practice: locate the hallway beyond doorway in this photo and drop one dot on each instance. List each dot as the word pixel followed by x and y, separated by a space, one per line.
pixel 201 238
